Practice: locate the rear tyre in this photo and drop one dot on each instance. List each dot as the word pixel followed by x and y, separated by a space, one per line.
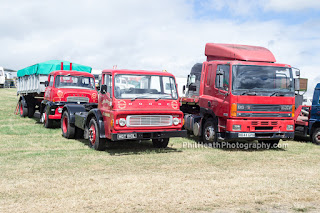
pixel 272 143
pixel 67 130
pixel 316 136
pixel 95 141
pixel 160 143
pixel 48 123
pixel 31 110
pixel 209 131
pixel 22 110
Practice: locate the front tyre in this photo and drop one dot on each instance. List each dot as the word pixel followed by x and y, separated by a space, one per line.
pixel 160 143
pixel 48 123
pixel 68 131
pixel 209 131
pixel 316 136
pixel 95 141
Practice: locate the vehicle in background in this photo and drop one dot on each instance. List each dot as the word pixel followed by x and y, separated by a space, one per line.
pixel 49 85
pixel 307 119
pixel 97 77
pixel 147 109
pixel 243 95
pixel 7 77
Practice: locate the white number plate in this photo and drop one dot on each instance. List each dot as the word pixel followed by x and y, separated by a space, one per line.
pixel 127 136
pixel 246 135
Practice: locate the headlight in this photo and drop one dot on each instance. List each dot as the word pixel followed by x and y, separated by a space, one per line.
pixel 236 127
pixel 286 107
pixel 122 122
pixel 289 127
pixel 60 110
pixel 176 121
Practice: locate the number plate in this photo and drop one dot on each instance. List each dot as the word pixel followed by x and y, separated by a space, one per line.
pixel 246 135
pixel 127 136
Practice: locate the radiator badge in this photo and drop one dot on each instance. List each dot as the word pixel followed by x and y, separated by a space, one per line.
pixel 122 104
pixel 174 104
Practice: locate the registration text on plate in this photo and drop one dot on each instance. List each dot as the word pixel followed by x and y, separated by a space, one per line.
pixel 246 135
pixel 127 136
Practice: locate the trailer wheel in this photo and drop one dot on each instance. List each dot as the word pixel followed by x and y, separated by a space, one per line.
pixel 316 136
pixel 209 131
pixel 67 130
pixel 48 123
pixel 274 143
pixel 95 141
pixel 160 143
pixel 22 111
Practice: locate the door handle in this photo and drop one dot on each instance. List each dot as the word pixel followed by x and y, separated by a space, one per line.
pixel 209 104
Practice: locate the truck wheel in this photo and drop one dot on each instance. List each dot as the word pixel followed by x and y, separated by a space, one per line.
pixel 95 141
pixel 209 131
pixel 31 110
pixel 67 130
pixel 22 111
pixel 160 143
pixel 48 123
pixel 316 136
pixel 273 143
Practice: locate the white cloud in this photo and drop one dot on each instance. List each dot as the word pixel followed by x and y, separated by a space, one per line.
pixel 291 5
pixel 142 34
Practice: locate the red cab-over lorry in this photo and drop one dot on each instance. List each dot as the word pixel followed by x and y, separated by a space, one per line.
pixel 243 95
pixel 132 105
pixel 49 85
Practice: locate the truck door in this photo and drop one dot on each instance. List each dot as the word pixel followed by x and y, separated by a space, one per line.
pixel 222 93
pixel 105 102
pixel 47 94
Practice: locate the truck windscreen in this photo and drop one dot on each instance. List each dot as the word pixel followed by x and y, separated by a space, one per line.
pixel 144 87
pixel 262 80
pixel 77 82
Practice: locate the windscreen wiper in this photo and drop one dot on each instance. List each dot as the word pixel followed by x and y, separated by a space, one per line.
pixel 249 93
pixel 133 99
pixel 277 93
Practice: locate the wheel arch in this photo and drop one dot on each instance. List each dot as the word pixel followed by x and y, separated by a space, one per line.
pixel 96 113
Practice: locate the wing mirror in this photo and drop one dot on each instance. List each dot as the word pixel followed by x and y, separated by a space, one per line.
pixel 104 89
pixel 46 83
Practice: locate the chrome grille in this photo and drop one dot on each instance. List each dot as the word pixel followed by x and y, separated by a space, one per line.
pixel 149 120
pixel 77 99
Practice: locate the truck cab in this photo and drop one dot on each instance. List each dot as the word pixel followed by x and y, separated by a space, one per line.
pixel 132 105
pixel 244 95
pixel 65 87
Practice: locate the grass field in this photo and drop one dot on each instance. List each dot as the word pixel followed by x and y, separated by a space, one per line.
pixel 40 171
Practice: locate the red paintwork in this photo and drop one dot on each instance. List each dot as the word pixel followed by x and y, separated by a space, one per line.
pixel 299 119
pixel 114 109
pixel 221 103
pixel 238 52
pixel 60 94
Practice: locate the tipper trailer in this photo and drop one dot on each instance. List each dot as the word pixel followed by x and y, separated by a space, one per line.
pixel 132 105
pixel 48 86
pixel 243 95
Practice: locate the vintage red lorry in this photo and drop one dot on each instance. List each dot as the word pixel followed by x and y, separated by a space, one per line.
pixel 243 95
pixel 41 88
pixel 132 105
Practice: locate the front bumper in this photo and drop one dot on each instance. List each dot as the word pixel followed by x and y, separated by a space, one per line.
pixel 147 135
pixel 234 136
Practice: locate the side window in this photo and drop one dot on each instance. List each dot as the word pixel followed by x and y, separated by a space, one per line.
pixel 51 81
pixel 225 69
pixel 209 75
pixel 108 82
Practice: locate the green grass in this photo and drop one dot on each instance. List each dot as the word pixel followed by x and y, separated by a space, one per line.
pixel 40 171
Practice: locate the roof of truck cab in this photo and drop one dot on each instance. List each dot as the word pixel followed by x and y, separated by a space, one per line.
pixel 215 51
pixel 71 72
pixel 137 72
pixel 47 67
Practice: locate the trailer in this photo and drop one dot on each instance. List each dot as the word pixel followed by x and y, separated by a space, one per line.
pixel 242 95
pixel 49 85
pixel 133 105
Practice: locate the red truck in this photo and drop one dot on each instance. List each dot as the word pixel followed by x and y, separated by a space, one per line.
pixel 65 87
pixel 49 85
pixel 243 95
pixel 132 105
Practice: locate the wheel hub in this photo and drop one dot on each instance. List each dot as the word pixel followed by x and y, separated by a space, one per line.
pixel 209 133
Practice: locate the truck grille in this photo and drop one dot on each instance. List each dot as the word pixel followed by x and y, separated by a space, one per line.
pixel 149 120
pixel 77 99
